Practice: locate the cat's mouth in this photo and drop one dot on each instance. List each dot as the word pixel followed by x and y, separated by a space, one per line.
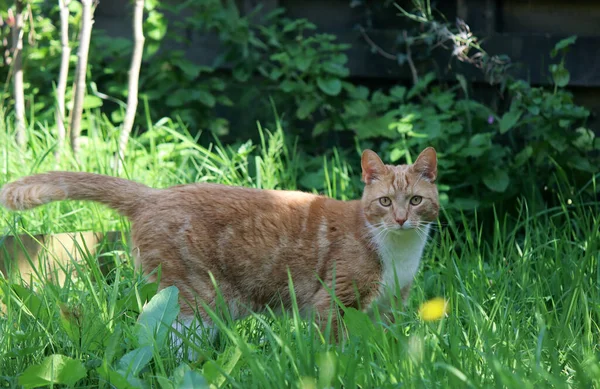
pixel 400 227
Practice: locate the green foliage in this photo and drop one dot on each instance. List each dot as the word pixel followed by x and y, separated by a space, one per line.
pixel 41 57
pixel 523 313
pixel 55 369
pixel 483 151
pixel 481 157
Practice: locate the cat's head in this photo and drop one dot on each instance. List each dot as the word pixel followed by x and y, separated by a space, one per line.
pixel 400 197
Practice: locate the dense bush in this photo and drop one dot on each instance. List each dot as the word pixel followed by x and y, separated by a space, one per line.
pixel 483 151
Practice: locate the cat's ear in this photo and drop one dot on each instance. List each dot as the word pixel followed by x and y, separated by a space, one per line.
pixel 426 164
pixel 372 166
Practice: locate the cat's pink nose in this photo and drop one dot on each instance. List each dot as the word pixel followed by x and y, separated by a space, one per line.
pixel 401 220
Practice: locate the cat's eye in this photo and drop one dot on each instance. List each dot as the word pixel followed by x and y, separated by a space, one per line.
pixel 385 201
pixel 416 200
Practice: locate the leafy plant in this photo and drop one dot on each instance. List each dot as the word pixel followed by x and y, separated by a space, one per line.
pixel 483 151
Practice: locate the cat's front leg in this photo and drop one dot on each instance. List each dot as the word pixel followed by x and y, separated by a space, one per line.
pixel 325 309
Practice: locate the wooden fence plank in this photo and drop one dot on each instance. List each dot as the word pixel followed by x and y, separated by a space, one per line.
pixel 48 255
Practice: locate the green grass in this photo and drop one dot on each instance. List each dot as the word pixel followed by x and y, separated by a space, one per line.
pixel 524 302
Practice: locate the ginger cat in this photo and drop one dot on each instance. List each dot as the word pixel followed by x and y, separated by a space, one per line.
pixel 249 238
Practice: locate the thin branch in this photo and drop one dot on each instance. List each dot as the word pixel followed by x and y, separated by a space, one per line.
pixel 17 44
pixel 411 64
pixel 63 74
pixel 134 75
pixel 376 47
pixel 84 45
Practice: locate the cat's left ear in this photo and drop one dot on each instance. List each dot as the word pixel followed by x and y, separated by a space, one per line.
pixel 372 166
pixel 426 164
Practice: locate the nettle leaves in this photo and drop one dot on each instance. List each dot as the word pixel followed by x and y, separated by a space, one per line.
pixel 146 339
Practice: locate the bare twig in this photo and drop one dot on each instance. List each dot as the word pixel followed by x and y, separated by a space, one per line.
pixel 17 44
pixel 134 75
pixel 79 87
pixel 411 64
pixel 376 47
pixel 63 75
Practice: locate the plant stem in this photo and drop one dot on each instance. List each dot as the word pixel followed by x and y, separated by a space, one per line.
pixel 79 87
pixel 63 74
pixel 411 64
pixel 376 47
pixel 17 43
pixel 134 75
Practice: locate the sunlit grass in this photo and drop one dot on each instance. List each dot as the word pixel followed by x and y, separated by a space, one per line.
pixel 517 309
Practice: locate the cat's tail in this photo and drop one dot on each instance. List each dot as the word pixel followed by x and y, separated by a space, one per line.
pixel 117 193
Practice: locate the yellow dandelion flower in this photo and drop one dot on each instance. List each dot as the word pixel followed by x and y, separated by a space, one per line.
pixel 433 309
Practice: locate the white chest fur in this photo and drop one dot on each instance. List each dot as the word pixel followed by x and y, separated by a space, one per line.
pixel 400 253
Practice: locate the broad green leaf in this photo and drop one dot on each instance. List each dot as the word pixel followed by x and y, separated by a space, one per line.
pixel 396 154
pixel 224 100
pixel 116 379
pixel 179 97
pixel 510 119
pixel 145 293
pixel 533 109
pixel 523 156
pixel 585 139
pixel 496 180
pixel 229 360
pixel 583 164
pixel 443 100
pixel 326 362
pixel 157 316
pixel 321 127
pixel 330 85
pixel 336 69
pixel 192 379
pixel 117 116
pixel 204 96
pixel 561 76
pixel 358 323
pixel 241 74
pixel 477 146
pixel 558 143
pixel 564 123
pixel 420 86
pixel 563 44
pixel 358 92
pixel 134 361
pixel 306 107
pixel 357 107
pixel 114 344
pixel 70 323
pixel 190 69
pixel 31 300
pixel 90 102
pixel 303 63
pixel 339 58
pixel 184 377
pixel 155 26
pixel 275 74
pixel 399 92
pixel 288 86
pixel 432 127
pixel 54 370
pixel 215 371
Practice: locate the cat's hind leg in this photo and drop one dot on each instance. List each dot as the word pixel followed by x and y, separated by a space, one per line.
pixel 189 333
